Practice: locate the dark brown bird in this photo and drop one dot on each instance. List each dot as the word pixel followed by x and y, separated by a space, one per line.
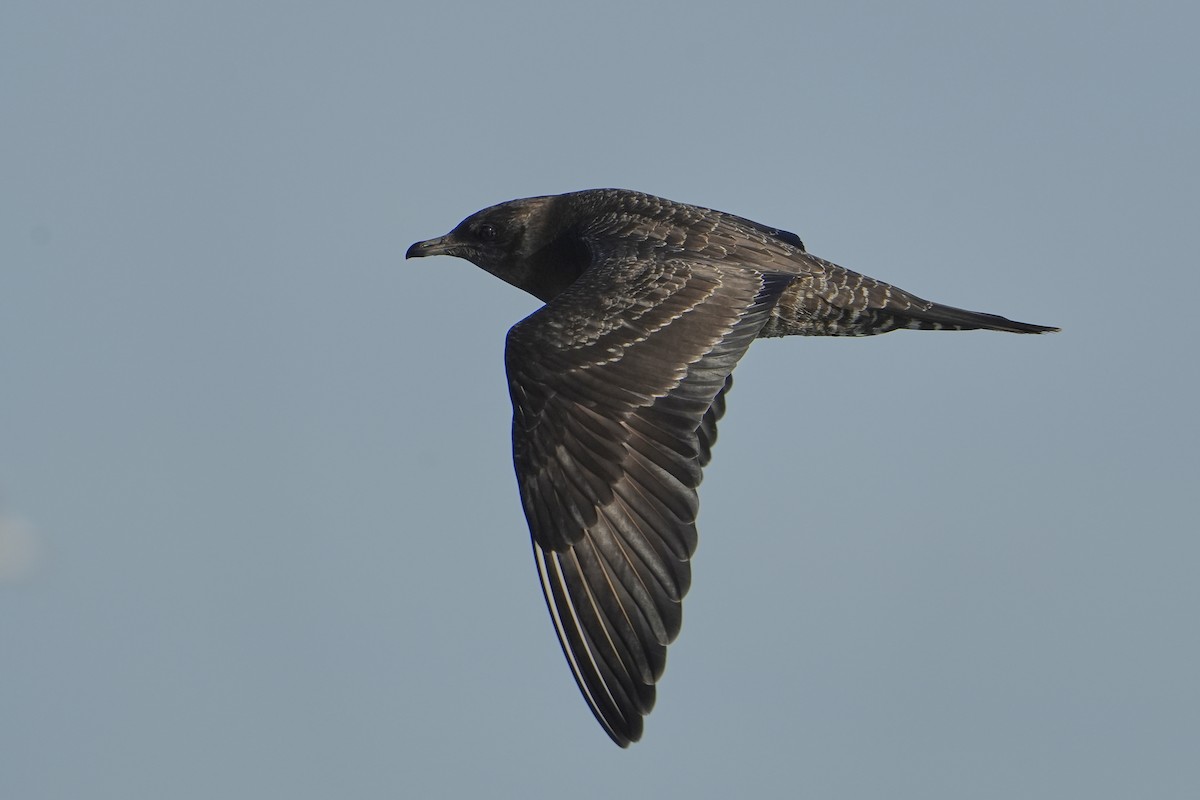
pixel 617 384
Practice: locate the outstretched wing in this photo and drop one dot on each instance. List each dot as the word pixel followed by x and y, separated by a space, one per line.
pixel 616 386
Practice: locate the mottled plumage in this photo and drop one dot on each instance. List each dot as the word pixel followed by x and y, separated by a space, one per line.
pixel 618 382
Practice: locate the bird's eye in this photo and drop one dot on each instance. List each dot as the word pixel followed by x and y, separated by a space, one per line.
pixel 486 232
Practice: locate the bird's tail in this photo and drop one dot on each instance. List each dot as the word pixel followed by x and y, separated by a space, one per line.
pixel 936 317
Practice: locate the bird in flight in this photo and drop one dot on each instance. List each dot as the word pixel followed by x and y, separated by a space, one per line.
pixel 617 383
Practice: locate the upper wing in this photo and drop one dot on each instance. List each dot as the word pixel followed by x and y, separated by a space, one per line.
pixel 615 387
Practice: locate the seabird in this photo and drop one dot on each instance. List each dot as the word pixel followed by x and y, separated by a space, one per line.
pixel 617 383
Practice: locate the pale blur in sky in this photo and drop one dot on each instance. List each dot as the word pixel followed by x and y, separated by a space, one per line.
pixel 259 533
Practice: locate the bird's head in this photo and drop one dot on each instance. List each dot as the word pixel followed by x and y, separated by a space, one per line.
pixel 528 243
pixel 491 239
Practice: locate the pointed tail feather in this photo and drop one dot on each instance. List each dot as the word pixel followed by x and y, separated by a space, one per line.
pixel 939 317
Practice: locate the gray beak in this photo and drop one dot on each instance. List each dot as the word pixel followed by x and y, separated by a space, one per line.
pixel 430 247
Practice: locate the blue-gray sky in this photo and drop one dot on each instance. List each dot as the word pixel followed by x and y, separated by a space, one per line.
pixel 259 534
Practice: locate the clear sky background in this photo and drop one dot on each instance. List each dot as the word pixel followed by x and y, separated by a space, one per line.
pixel 260 535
